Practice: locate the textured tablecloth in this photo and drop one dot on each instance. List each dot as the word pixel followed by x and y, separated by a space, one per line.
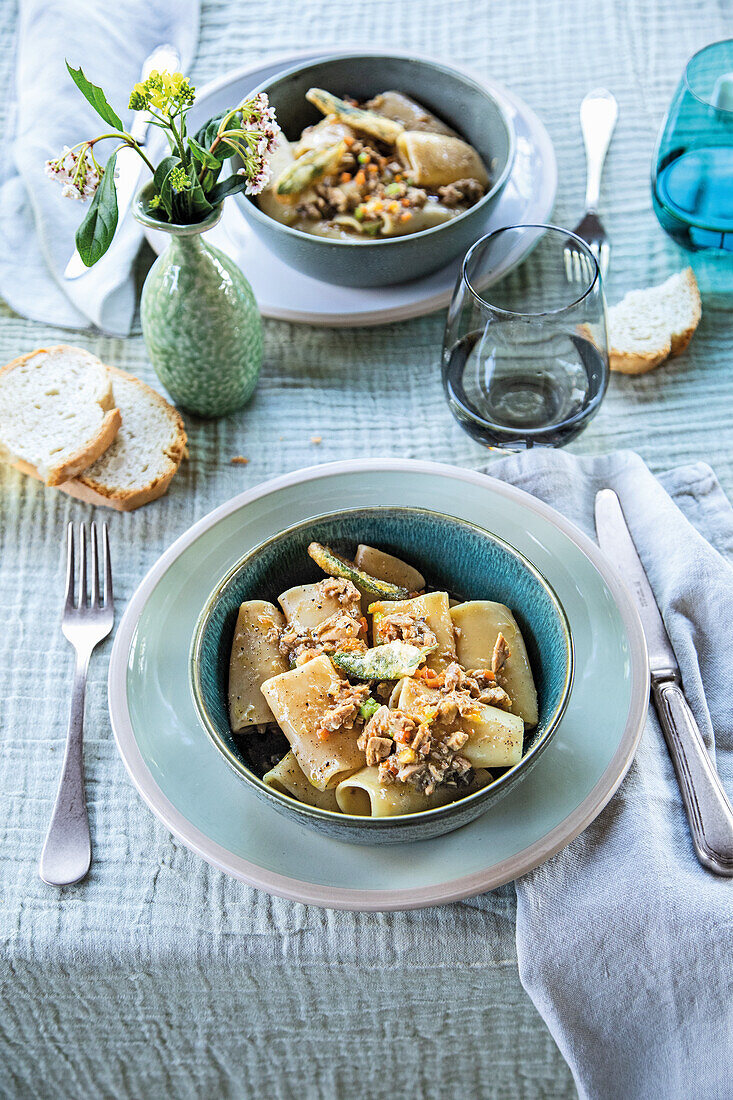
pixel 160 976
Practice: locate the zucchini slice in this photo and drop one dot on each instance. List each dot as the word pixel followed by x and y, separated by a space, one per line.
pixel 336 566
pixel 368 122
pixel 391 661
pixel 307 170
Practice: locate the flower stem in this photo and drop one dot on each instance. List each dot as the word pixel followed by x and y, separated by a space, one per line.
pixel 179 140
pixel 142 154
pixel 128 142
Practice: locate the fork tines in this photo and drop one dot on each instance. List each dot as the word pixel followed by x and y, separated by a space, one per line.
pixel 83 598
pixel 578 268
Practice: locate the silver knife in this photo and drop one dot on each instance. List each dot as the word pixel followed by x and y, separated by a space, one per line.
pixel 709 812
pixel 129 163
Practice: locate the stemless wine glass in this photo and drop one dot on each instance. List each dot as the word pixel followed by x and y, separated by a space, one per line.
pixel 692 172
pixel 525 358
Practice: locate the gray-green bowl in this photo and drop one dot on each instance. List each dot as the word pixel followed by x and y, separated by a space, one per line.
pixel 459 100
pixel 452 554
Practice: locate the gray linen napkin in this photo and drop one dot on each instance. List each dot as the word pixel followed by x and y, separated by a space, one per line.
pixel 37 225
pixel 624 941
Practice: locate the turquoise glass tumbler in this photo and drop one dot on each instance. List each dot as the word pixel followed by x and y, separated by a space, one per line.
pixel 692 172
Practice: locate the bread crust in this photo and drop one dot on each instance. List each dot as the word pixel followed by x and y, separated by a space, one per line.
pixel 76 463
pixel 121 502
pixel 624 362
pixel 84 458
pixel 127 500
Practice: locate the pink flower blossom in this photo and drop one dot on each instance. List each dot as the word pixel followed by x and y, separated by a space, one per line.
pixel 76 171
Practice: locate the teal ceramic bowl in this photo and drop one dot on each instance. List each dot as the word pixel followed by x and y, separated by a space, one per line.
pixel 470 109
pixel 452 555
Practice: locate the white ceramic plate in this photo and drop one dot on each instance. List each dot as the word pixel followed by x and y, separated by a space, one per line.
pixel 187 783
pixel 287 295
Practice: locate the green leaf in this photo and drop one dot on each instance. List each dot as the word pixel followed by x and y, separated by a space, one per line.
pixel 192 205
pixel 232 185
pixel 94 235
pixel 161 179
pixel 203 156
pixel 210 164
pixel 96 97
pixel 208 134
pixel 225 150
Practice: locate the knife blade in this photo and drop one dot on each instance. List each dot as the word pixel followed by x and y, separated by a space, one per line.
pixel 615 540
pixel 129 163
pixel 709 813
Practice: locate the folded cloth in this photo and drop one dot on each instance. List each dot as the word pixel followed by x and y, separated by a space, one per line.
pixel 624 941
pixel 37 224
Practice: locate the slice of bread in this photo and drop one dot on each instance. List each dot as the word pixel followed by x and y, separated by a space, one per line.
pixel 139 465
pixel 648 326
pixel 57 412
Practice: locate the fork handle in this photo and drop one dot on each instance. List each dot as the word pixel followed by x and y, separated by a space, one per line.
pixel 709 812
pixel 598 114
pixel 67 851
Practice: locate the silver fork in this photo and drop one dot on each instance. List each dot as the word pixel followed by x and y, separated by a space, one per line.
pixel 598 114
pixel 87 619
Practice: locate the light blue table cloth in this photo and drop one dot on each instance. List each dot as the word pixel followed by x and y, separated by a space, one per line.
pixel 160 976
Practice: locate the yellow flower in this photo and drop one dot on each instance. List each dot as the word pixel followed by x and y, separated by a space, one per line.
pixel 155 85
pixel 167 92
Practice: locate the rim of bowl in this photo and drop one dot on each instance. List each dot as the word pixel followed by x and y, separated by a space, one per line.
pixel 545 227
pixel 494 190
pixel 360 820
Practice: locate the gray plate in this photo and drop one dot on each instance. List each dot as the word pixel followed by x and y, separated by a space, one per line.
pixel 286 294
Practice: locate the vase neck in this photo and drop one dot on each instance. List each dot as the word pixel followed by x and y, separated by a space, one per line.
pixel 188 246
pixel 141 211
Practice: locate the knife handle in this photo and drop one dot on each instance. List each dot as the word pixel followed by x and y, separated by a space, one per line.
pixel 709 812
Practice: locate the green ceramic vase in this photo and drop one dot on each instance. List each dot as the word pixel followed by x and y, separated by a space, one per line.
pixel 200 319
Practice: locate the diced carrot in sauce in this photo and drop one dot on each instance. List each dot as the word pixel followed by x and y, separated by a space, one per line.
pixel 360 178
pixel 431 678
pixel 345 177
pixel 406 216
pixel 372 168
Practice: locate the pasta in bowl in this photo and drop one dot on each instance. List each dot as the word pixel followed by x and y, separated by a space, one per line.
pixel 382 674
pixel 368 172
pixel 387 167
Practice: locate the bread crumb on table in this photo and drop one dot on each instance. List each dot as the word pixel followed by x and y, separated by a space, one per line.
pixel 238 460
pixel 316 439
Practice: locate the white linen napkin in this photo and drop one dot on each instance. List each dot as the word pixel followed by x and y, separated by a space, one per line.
pixel 624 941
pixel 37 225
